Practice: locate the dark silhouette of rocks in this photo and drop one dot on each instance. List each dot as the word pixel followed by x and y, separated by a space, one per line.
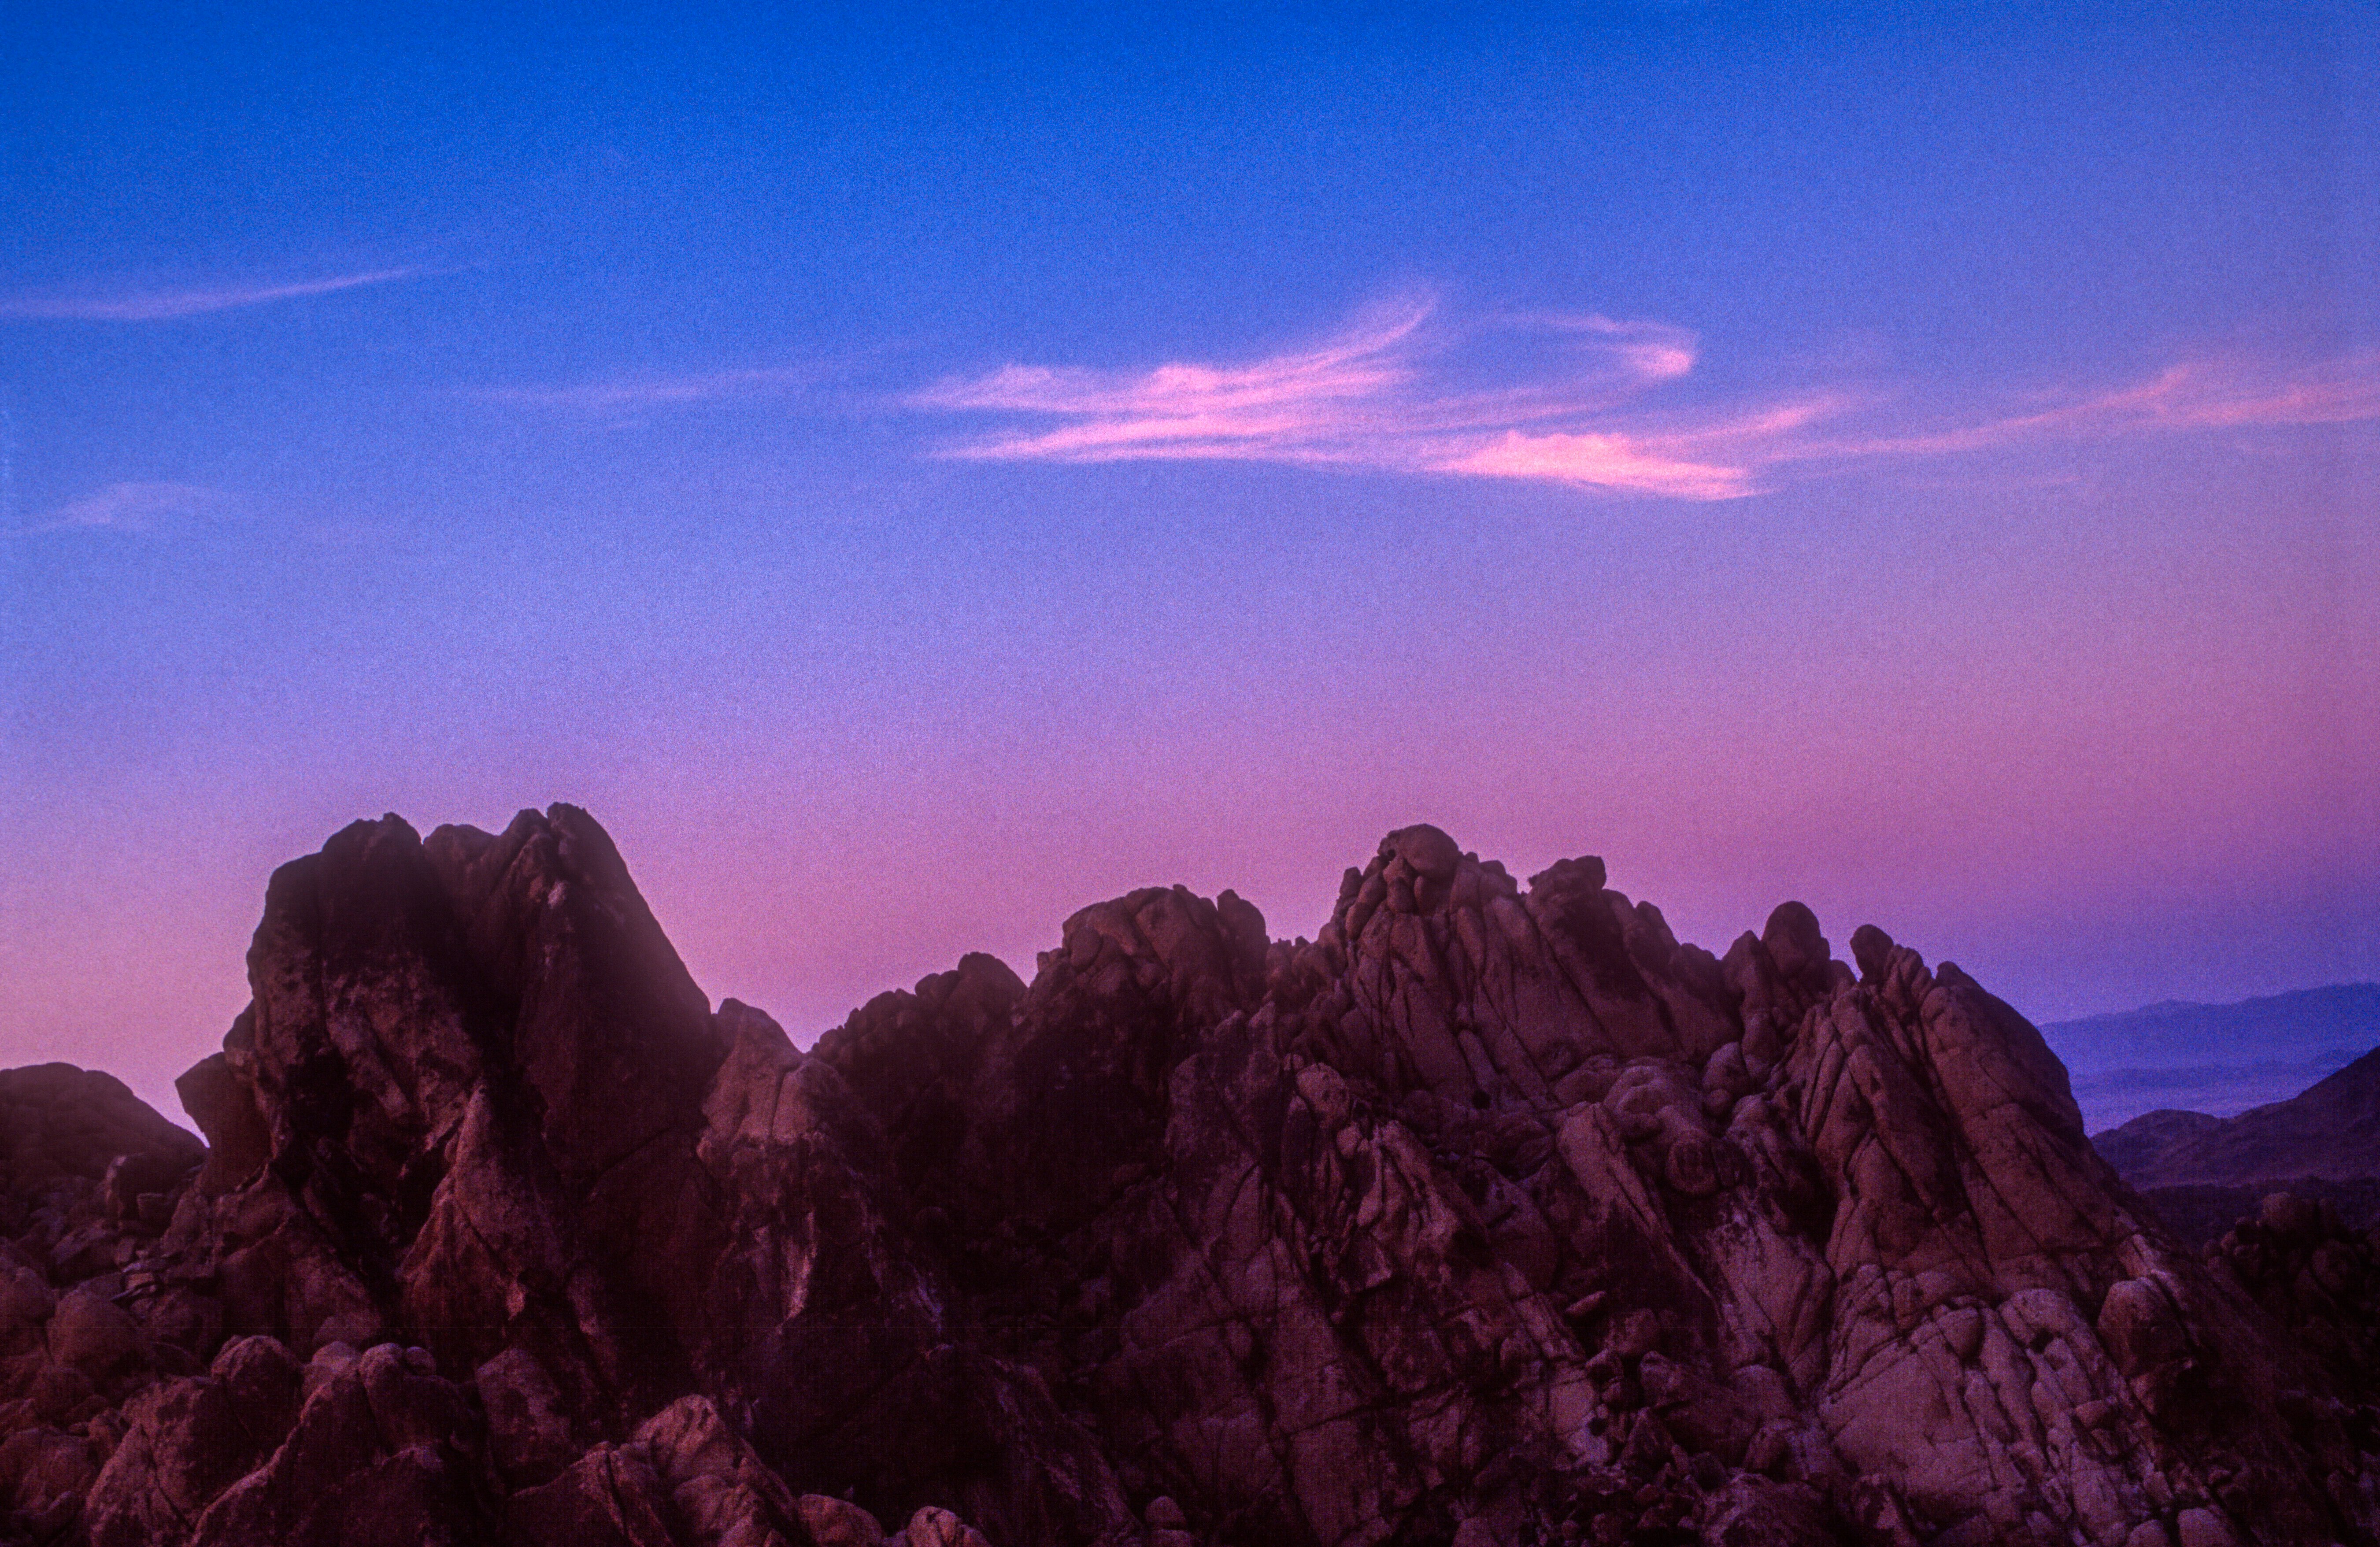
pixel 1492 1216
pixel 2199 1213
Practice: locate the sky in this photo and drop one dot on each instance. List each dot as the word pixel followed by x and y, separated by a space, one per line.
pixel 912 473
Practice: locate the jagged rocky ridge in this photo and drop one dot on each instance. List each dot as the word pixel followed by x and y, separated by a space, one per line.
pixel 1492 1216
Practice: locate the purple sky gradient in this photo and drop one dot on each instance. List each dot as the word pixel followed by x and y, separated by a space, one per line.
pixel 914 475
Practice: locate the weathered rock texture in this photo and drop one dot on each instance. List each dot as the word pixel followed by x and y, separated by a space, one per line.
pixel 1492 1216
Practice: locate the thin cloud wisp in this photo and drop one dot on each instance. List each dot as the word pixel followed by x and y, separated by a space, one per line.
pixel 167 305
pixel 1590 403
pixel 1388 393
pixel 131 508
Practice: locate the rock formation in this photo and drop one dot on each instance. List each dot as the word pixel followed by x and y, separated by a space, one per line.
pixel 1491 1216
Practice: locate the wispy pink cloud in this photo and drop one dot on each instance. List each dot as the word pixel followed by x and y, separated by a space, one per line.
pixel 1317 406
pixel 625 395
pixel 158 305
pixel 1601 460
pixel 1384 393
pixel 1401 389
pixel 138 508
pixel 2218 393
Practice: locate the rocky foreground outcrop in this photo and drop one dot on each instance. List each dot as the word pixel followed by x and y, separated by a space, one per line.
pixel 1492 1216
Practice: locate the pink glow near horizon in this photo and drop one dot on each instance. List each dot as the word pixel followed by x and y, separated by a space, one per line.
pixel 1939 821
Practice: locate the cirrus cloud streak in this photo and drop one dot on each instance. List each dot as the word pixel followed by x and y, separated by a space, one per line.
pixel 1582 400
pixel 132 508
pixel 631 394
pixel 1388 392
pixel 167 305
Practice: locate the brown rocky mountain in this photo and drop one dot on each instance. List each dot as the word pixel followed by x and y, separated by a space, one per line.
pixel 1494 1215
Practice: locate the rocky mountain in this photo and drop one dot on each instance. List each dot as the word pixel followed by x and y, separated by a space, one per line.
pixel 1491 1216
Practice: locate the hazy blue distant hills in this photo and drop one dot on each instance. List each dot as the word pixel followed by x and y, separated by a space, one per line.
pixel 2219 1059
pixel 2331 1131
pixel 2203 1174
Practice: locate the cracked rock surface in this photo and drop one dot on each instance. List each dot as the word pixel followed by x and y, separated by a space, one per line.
pixel 1491 1216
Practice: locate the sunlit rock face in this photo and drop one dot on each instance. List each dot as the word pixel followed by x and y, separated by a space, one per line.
pixel 1492 1216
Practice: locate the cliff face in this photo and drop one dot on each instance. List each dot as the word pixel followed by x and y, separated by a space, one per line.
pixel 1492 1216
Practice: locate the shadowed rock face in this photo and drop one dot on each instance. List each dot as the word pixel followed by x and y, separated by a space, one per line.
pixel 1492 1216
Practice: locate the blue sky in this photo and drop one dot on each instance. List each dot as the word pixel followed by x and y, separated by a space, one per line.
pixel 912 473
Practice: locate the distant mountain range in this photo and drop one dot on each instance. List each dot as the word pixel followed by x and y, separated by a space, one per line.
pixel 2216 1059
pixel 2203 1169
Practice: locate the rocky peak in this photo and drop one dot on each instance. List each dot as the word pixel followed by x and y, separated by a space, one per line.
pixel 1494 1215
